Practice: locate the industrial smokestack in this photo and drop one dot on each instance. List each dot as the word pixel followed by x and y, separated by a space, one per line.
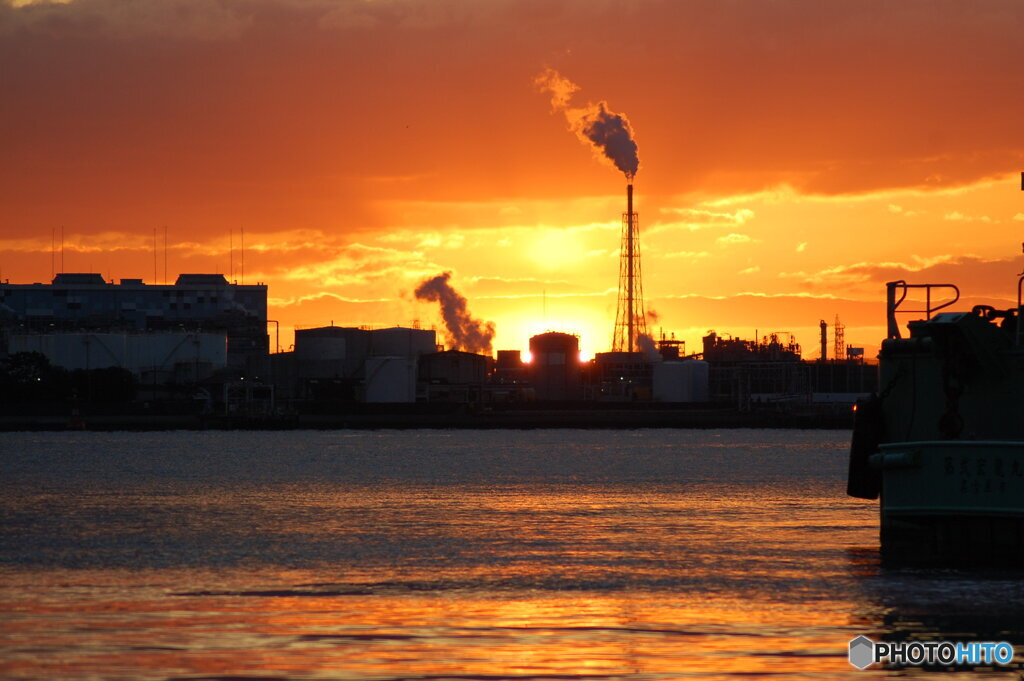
pixel 633 339
pixel 630 320
pixel 611 137
pixel 464 332
pixel 609 133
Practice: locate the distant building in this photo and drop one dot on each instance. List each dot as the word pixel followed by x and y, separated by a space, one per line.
pixel 351 364
pixel 400 341
pixel 453 376
pixel 195 303
pixel 509 381
pixel 621 377
pixel 680 381
pixel 509 368
pixel 390 380
pixel 191 356
pixel 772 348
pixel 555 367
pixel 331 352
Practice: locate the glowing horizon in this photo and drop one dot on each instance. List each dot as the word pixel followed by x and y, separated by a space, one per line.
pixel 793 159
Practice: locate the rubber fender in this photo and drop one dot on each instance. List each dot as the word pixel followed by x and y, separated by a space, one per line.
pixel 864 481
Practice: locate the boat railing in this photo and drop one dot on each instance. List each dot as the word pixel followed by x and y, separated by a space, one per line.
pixel 902 288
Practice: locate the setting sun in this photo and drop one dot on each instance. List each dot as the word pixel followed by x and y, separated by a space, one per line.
pixel 785 189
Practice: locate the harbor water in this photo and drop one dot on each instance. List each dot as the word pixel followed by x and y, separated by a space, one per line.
pixel 490 555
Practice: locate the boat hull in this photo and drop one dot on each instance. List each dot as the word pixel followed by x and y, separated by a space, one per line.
pixel 952 501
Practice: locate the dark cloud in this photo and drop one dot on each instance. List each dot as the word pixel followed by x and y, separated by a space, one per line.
pixel 271 113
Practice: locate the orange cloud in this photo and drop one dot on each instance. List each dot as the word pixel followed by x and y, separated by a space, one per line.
pixel 813 147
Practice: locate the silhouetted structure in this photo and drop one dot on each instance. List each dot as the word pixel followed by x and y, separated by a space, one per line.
pixel 348 364
pixel 555 367
pixel 680 381
pixel 453 376
pixel 76 302
pixel 630 320
pixel 621 377
pixel 745 372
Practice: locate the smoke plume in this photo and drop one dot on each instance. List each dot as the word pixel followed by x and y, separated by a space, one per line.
pixel 609 133
pixel 648 347
pixel 464 332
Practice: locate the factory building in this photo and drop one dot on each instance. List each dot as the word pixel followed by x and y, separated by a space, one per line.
pixel 766 371
pixel 555 367
pixel 770 372
pixel 509 380
pixel 183 354
pixel 83 303
pixel 341 364
pixel 620 377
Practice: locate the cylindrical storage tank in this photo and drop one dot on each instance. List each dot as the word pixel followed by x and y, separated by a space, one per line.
pixel 390 380
pixel 321 348
pixel 671 382
pixel 402 342
pixel 699 379
pixel 331 351
pixel 555 367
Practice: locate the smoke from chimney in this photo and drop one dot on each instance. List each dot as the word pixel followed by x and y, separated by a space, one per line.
pixel 608 132
pixel 464 332
pixel 648 347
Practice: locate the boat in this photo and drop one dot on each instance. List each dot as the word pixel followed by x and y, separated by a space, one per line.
pixel 941 445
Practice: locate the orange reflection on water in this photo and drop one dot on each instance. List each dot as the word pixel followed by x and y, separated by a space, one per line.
pixel 657 635
pixel 556 582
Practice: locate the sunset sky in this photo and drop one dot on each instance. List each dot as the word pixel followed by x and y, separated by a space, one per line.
pixel 794 155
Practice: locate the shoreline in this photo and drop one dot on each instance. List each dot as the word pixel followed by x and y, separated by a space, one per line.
pixel 603 417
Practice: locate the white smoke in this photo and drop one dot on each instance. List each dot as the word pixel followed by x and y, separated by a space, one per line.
pixel 464 332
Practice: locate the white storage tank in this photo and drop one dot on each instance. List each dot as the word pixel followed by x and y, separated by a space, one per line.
pixel 685 381
pixel 698 373
pixel 670 382
pixel 390 379
pixel 331 351
pixel 331 348
pixel 399 341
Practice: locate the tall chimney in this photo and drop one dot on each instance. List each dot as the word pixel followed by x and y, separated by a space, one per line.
pixel 630 321
pixel 632 274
